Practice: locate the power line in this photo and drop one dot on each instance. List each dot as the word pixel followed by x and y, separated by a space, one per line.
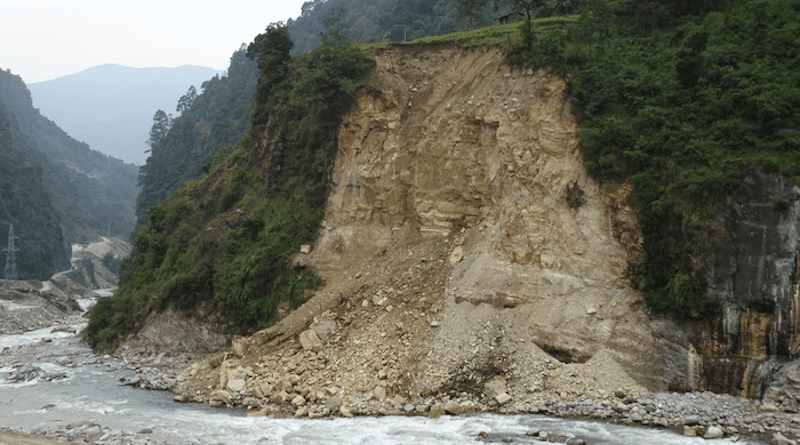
pixel 11 260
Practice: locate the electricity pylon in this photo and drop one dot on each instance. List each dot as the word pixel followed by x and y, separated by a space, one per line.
pixel 11 260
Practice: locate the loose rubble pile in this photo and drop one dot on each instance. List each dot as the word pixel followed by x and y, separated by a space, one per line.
pixel 28 373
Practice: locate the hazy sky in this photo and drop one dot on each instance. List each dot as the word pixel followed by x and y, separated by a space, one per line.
pixel 45 39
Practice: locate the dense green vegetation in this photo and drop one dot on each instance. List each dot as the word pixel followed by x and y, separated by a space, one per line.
pixel 679 97
pixel 375 21
pixel 91 192
pixel 181 149
pixel 222 243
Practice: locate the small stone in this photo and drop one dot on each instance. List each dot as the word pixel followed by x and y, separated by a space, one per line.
pixel 345 412
pixel 689 431
pixel 145 431
pixel 298 401
pixel 382 374
pixel 434 323
pixel 379 393
pixel 408 407
pixel 591 310
pixel 305 248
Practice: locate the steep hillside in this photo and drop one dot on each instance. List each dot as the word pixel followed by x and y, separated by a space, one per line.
pixel 26 204
pixel 215 119
pixel 93 193
pixel 110 107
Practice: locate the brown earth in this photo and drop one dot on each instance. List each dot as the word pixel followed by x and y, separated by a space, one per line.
pixel 466 256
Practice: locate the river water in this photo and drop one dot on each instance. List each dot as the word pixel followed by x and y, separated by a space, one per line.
pixel 91 392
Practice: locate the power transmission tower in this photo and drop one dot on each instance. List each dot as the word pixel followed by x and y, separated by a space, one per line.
pixel 11 260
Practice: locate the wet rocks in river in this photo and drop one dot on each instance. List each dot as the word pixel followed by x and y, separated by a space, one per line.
pixel 27 373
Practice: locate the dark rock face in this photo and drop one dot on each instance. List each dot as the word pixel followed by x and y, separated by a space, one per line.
pixel 753 275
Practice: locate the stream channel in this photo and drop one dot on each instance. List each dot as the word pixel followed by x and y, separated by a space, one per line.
pixel 88 392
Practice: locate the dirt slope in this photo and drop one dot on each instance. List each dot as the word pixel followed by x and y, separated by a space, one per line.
pixel 466 254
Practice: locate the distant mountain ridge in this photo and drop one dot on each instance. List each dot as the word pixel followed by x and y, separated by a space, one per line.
pixel 110 107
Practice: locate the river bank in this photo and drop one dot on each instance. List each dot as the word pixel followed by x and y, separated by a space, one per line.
pixel 90 405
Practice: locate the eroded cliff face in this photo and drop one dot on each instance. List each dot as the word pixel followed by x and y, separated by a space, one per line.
pixel 462 243
pixel 458 145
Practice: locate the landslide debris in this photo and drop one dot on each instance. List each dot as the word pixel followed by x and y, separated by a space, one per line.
pixel 459 276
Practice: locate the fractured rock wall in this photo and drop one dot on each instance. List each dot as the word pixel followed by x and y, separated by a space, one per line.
pixel 755 268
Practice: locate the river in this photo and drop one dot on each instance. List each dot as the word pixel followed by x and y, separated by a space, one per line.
pixel 91 392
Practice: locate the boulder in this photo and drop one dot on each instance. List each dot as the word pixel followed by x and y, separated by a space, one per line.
pixel 494 387
pixel 713 432
pixel 236 385
pixel 310 341
pixel 780 439
pixel 436 411
pixel 219 397
pixel 453 408
pixel 502 398
pixel 457 255
pixel 323 329
pixel 239 346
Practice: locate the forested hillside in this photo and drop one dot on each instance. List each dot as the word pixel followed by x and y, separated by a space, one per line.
pixel 93 193
pixel 221 243
pixel 25 203
pixel 210 121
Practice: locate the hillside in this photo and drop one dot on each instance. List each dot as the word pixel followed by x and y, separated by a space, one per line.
pixel 215 119
pixel 25 204
pixel 92 193
pixel 485 223
pixel 110 107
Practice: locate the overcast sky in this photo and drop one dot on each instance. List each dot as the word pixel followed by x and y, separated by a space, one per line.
pixel 45 39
